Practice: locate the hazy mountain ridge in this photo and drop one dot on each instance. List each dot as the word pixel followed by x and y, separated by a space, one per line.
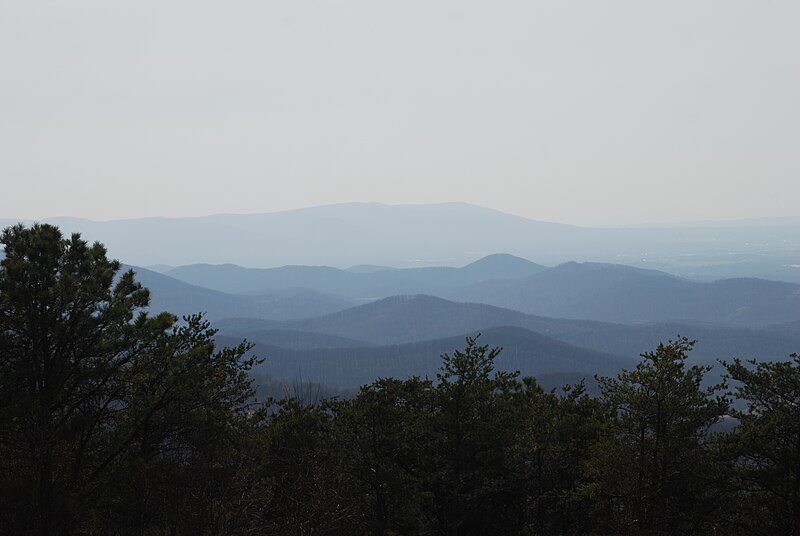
pixel 589 291
pixel 407 319
pixel 343 235
pixel 413 319
pixel 181 298
pixel 571 350
pixel 528 352
pixel 359 284
pixel 294 339
pixel 623 294
pixel 442 234
pixel 331 339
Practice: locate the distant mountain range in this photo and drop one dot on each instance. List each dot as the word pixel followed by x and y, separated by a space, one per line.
pixel 178 297
pixel 615 293
pixel 587 291
pixel 448 234
pixel 343 327
pixel 611 309
pixel 525 351
pixel 345 341
pixel 406 319
pixel 358 284
pixel 406 334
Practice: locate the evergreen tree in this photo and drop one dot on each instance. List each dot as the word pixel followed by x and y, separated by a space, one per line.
pixel 94 391
pixel 298 485
pixel 654 473
pixel 384 443
pixel 558 433
pixel 475 428
pixel 766 447
pixel 190 437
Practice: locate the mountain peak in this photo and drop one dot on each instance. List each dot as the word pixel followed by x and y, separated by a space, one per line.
pixel 503 266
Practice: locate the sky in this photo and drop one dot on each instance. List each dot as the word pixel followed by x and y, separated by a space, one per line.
pixel 582 112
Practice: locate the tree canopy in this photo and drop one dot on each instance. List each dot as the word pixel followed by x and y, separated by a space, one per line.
pixel 98 396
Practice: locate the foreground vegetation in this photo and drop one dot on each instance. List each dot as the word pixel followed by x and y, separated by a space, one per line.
pixel 116 422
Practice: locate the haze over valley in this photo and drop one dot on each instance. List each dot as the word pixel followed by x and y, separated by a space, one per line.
pixel 329 324
pixel 406 282
pixel 448 234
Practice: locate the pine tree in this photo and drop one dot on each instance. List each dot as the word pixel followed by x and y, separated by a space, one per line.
pixel 766 446
pixel 94 392
pixel 654 473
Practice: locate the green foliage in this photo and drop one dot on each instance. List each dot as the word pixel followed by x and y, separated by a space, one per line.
pixel 654 472
pixel 559 432
pixel 474 430
pixel 105 409
pixel 297 476
pixel 476 452
pixel 766 446
pixel 185 423
pixel 383 441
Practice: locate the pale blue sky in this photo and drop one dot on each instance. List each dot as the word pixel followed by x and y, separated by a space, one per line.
pixel 580 112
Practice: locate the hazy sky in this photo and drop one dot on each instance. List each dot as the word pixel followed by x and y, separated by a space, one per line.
pixel 579 112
